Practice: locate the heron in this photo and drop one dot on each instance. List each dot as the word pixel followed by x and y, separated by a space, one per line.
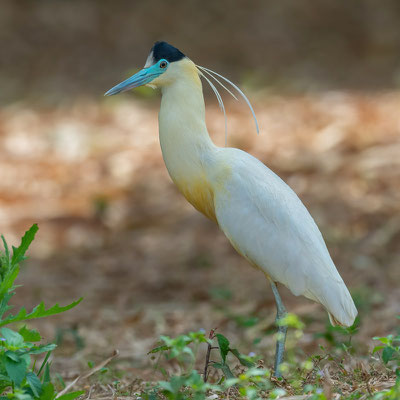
pixel 262 217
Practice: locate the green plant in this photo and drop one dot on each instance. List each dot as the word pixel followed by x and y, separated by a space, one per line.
pixel 224 349
pixel 179 349
pixel 20 378
pixel 253 383
pixel 338 336
pixel 186 386
pixel 390 346
pixel 191 384
pixel 318 377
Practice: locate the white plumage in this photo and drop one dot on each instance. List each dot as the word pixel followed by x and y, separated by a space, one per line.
pixel 260 214
pixel 269 225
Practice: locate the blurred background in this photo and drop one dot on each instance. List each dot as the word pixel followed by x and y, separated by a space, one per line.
pixel 324 79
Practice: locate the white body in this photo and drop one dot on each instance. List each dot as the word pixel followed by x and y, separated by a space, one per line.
pixel 260 214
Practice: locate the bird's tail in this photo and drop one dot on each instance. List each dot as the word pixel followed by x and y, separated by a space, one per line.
pixel 335 322
pixel 338 302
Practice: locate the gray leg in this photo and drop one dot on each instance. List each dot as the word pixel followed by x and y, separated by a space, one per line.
pixel 282 330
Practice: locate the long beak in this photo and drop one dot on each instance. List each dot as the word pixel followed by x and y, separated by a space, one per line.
pixel 141 78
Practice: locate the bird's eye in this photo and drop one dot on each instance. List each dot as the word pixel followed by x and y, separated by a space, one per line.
pixel 163 64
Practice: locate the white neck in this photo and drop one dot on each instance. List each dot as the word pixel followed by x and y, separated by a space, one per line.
pixel 184 138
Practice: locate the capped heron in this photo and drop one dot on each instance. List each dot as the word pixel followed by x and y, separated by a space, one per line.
pixel 259 213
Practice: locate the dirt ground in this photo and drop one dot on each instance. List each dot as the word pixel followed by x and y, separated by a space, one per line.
pixel 115 230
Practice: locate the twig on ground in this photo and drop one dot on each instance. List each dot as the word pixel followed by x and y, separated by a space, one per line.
pixel 90 392
pixel 91 372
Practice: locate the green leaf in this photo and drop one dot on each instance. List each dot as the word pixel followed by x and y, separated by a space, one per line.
pixel 42 348
pixel 377 348
pixel 45 363
pixel 29 335
pixel 5 298
pixel 227 371
pixel 15 370
pixel 19 252
pixel 384 340
pixel 6 250
pixel 48 392
pixel 159 348
pixel 34 383
pixel 166 386
pixel 46 376
pixel 177 382
pixel 231 382
pixel 223 344
pixel 198 337
pixel 12 338
pixel 387 354
pixel 38 312
pixel 12 355
pixel 5 379
pixel 72 395
pixel 60 380
pixel 244 360
pixel 7 283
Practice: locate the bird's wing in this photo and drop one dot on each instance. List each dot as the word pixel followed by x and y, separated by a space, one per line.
pixel 268 224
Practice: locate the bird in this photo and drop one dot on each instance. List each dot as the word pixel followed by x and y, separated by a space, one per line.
pixel 262 217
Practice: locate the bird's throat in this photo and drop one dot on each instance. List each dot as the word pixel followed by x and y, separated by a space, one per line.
pixel 185 143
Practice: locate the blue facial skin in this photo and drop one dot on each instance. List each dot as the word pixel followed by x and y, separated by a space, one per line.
pixel 146 75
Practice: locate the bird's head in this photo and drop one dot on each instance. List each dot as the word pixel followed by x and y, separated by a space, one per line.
pixel 164 65
pixel 167 65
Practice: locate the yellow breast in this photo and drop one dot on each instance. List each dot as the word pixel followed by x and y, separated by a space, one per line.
pixel 200 194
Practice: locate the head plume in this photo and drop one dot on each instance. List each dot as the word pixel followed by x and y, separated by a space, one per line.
pixel 212 74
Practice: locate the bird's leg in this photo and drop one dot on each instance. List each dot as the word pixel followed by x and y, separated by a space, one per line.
pixel 282 330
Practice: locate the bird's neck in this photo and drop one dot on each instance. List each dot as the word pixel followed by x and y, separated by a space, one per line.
pixel 184 139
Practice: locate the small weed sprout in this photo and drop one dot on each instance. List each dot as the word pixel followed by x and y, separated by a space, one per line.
pixel 179 349
pixel 390 346
pixel 339 337
pixel 191 384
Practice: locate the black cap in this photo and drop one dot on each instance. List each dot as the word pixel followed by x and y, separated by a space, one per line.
pixel 163 50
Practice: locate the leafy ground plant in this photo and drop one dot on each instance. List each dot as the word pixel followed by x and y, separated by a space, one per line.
pixel 390 346
pixel 190 384
pixel 20 377
pixel 320 377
